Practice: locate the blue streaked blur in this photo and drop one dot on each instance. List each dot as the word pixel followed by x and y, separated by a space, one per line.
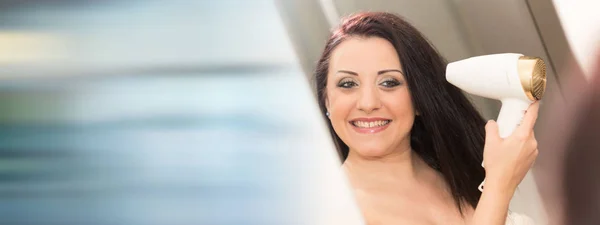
pixel 157 112
pixel 153 150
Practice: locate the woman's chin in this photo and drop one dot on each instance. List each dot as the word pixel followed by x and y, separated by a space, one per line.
pixel 372 151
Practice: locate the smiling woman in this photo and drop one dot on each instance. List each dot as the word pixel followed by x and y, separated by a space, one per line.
pixel 412 143
pixel 368 78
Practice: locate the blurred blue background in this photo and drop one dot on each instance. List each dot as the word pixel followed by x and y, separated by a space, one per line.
pixel 155 112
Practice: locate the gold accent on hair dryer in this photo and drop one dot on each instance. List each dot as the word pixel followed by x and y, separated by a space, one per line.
pixel 532 72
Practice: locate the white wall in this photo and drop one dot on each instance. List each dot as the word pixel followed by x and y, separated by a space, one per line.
pixel 581 22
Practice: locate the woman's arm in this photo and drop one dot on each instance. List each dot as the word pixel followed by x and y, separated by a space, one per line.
pixel 506 163
pixel 492 208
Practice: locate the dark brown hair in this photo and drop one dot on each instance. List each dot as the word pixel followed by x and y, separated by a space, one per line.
pixel 448 133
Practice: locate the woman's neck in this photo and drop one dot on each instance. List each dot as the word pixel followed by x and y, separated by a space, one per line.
pixel 402 166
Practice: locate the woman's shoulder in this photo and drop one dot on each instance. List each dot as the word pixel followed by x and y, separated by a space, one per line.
pixel 518 219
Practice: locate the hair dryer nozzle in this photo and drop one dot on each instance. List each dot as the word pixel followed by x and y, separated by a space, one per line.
pixel 532 73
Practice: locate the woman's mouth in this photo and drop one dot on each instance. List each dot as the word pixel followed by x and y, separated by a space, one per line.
pixel 370 126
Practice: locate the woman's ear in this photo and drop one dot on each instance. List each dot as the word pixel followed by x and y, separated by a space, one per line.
pixel 327 107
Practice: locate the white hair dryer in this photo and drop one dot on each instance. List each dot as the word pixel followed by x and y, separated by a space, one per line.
pixel 514 79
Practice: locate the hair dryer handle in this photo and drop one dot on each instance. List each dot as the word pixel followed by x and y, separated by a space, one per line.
pixel 511 115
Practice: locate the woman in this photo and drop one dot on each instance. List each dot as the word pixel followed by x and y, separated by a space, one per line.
pixel 412 144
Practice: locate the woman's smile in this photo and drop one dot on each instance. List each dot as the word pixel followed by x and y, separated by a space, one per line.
pixel 370 125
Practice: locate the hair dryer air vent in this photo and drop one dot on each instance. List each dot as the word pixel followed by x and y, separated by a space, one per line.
pixel 532 72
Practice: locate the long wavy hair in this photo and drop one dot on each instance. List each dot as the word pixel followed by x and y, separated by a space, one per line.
pixel 449 133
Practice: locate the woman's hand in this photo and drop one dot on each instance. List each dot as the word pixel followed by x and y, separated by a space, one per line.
pixel 507 160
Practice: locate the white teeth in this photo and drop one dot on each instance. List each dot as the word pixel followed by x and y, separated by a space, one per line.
pixel 378 123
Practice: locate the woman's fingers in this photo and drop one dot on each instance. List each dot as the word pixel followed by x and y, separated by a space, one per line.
pixel 491 132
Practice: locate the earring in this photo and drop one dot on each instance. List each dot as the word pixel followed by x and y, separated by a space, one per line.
pixel 327 114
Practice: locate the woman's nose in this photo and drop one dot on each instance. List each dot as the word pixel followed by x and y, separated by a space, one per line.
pixel 368 100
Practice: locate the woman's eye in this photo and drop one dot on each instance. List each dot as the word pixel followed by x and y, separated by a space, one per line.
pixel 347 84
pixel 390 83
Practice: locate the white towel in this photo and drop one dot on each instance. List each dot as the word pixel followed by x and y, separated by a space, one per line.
pixel 518 219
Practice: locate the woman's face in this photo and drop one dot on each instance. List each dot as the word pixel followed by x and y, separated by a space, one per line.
pixel 368 98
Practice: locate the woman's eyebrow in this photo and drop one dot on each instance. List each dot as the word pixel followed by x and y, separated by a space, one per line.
pixel 348 72
pixel 389 70
pixel 378 73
